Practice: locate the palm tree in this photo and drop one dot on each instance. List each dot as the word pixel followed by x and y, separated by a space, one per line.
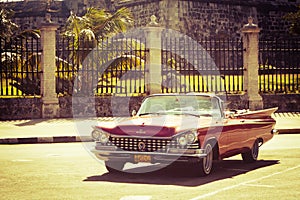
pixel 84 30
pixel 98 22
pixel 94 30
pixel 15 58
pixel 20 67
pixel 94 24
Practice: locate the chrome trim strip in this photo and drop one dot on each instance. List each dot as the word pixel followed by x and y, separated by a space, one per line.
pixel 140 137
pixel 110 153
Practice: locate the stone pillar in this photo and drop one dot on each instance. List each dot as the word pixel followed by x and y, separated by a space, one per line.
pixel 251 65
pixel 50 104
pixel 153 65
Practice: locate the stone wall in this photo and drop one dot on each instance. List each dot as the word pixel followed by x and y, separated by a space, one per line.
pixel 30 108
pixel 193 17
pixel 211 18
pixel 98 106
pixel 284 102
pixel 20 108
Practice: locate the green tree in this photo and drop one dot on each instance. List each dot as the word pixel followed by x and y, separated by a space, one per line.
pixel 20 66
pixel 294 19
pixel 85 29
pixel 7 27
pixel 89 31
pixel 94 24
pixel 14 57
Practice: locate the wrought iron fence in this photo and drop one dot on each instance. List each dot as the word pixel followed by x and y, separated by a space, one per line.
pixel 67 65
pixel 279 65
pixel 20 67
pixel 208 65
pixel 118 66
pixel 108 66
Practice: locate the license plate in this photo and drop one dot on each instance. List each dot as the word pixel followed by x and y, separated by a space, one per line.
pixel 142 158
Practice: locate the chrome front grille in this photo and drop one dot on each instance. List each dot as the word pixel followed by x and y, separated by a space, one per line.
pixel 141 144
pixel 145 144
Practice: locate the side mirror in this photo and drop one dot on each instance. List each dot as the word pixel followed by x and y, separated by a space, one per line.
pixel 133 113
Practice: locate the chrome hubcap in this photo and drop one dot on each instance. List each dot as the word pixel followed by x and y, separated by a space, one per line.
pixel 207 161
pixel 255 150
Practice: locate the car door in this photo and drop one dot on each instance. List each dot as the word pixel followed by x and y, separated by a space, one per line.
pixel 236 136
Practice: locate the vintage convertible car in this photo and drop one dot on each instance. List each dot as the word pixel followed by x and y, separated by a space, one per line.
pixel 191 128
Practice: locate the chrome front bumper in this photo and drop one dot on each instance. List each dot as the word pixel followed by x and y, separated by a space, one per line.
pixel 172 155
pixel 274 132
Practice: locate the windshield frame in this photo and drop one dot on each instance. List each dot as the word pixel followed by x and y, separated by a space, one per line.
pixel 193 108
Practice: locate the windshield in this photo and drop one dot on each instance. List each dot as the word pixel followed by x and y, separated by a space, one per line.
pixel 180 104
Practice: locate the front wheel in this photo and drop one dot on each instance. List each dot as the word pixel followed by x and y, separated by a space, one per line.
pixel 252 154
pixel 114 167
pixel 205 166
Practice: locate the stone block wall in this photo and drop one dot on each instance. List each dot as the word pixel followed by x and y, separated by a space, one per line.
pixel 20 108
pixel 143 10
pixel 212 18
pixel 106 106
pixel 202 19
pixel 284 102
pixel 192 17
pixel 30 108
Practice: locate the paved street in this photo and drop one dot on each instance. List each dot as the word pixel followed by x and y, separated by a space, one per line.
pixel 74 130
pixel 69 171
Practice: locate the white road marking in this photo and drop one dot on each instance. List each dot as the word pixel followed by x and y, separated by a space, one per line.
pixel 21 160
pixel 243 183
pixel 258 185
pixel 136 198
pixel 53 155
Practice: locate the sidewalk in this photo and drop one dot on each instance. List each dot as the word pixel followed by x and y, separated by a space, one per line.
pixel 47 130
pixel 78 130
pixel 287 123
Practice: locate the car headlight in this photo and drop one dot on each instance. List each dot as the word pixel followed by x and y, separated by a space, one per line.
pixel 189 137
pixel 182 141
pixel 100 136
pixel 95 134
pixel 104 137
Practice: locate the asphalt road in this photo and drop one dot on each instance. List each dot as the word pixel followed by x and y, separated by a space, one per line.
pixel 69 171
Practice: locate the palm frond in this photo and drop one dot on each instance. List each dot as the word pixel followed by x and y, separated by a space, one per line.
pixel 36 34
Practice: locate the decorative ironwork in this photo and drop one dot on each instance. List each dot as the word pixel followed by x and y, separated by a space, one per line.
pixel 208 65
pixel 279 67
pixel 109 66
pixel 118 66
pixel 20 70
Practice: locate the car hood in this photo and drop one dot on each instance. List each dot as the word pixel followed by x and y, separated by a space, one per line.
pixel 155 126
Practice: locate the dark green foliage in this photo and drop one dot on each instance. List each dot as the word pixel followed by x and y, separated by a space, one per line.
pixel 294 19
pixel 7 27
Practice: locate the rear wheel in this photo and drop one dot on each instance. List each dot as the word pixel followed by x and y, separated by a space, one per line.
pixel 205 166
pixel 114 167
pixel 252 154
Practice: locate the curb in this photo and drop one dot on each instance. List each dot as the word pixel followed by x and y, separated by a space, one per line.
pixel 69 139
pixel 38 140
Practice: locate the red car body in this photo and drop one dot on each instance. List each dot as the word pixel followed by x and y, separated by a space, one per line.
pixel 191 128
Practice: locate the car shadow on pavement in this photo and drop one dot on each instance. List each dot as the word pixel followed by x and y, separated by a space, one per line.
pixel 30 122
pixel 180 175
pixel 33 122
